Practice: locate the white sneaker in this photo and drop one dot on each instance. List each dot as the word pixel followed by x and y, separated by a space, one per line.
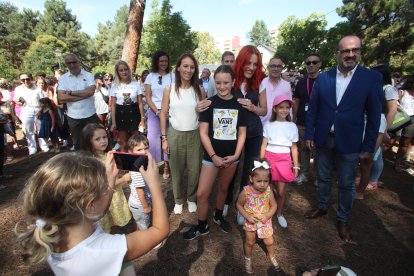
pixel 72 148
pixel 45 149
pixel 192 207
pixel 300 179
pixel 116 147
pixel 225 210
pixel 65 143
pixel 32 151
pixel 178 209
pixel 282 221
pixel 240 219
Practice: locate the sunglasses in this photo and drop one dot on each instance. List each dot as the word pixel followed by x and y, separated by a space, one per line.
pixel 23 80
pixel 348 51
pixel 314 62
pixel 160 80
pixel 273 66
pixel 71 62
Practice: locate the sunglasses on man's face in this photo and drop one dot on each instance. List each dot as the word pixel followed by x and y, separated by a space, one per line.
pixel 314 62
pixel 71 62
pixel 160 80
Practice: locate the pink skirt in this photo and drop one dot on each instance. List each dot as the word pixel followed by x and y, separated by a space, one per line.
pixel 281 166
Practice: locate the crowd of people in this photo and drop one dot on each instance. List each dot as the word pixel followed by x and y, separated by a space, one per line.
pixel 201 128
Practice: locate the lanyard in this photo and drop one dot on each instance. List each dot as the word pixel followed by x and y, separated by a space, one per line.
pixel 307 86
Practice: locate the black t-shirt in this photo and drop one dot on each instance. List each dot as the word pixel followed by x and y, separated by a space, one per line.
pixel 224 118
pixel 254 124
pixel 302 93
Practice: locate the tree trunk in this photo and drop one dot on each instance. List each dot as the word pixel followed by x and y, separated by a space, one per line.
pixel 133 33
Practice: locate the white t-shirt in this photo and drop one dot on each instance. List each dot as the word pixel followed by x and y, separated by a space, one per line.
pixel 157 89
pixel 280 136
pixel 84 108
pixel 99 254
pixel 31 96
pixel 137 181
pixel 281 88
pixel 100 105
pixel 6 95
pixel 126 94
pixel 183 116
pixel 407 102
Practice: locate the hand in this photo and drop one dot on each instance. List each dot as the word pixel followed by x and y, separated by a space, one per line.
pixel 228 160
pixel 252 219
pixel 143 123
pixel 113 126
pixel 247 103
pixel 165 146
pixel 126 178
pixel 296 172
pixel 147 209
pixel 111 169
pixel 309 144
pixel 265 217
pixel 151 175
pixel 366 157
pixel 218 162
pixel 203 105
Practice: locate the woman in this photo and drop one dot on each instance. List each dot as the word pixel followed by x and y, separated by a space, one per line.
pixel 248 69
pixel 179 102
pixel 126 104
pixel 101 99
pixel 407 134
pixel 155 83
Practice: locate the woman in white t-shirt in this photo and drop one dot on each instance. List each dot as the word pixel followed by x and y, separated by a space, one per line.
pixel 126 106
pixel 183 144
pixel 156 81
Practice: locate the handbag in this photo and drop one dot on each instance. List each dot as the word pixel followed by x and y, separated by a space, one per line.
pixel 401 120
pixel 104 97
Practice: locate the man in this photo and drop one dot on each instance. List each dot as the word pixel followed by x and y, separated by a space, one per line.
pixel 303 91
pixel 205 78
pixel 335 126
pixel 76 88
pixel 275 85
pixel 227 58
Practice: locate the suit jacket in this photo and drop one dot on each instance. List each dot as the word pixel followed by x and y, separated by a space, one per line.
pixel 362 96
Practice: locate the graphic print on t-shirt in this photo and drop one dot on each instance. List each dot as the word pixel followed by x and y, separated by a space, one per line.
pixel 225 124
pixel 127 98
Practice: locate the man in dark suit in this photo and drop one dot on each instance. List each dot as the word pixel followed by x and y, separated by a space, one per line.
pixel 335 126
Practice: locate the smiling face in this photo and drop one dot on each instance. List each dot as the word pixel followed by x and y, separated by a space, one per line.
pixel 26 80
pixel 260 179
pixel 348 53
pixel 123 73
pixel 186 69
pixel 162 64
pixel 275 68
pixel 99 141
pixel 224 83
pixel 282 110
pixel 41 84
pixel 250 67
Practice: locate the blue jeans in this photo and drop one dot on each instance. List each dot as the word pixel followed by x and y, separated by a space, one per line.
pixel 377 167
pixel 346 165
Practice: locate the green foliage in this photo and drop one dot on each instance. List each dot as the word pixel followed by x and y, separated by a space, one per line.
pixel 386 28
pixel 300 37
pixel 41 54
pixel 165 31
pixel 206 52
pixel 259 35
pixel 7 69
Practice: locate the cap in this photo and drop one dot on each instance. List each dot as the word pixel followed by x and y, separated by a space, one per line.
pixel 99 75
pixel 282 98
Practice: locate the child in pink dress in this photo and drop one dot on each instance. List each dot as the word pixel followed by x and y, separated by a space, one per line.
pixel 257 204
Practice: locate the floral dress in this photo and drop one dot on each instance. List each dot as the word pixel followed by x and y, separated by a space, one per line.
pixel 258 204
pixel 118 213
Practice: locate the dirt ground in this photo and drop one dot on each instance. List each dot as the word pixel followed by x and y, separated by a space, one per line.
pixel 382 226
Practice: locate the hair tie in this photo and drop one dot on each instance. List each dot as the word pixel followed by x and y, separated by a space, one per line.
pixel 258 164
pixel 40 223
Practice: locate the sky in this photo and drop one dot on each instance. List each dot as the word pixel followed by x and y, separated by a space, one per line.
pixel 221 18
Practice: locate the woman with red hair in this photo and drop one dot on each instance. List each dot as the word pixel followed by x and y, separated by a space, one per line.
pixel 248 69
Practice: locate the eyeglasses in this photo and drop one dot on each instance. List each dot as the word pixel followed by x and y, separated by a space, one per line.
pixel 160 80
pixel 23 80
pixel 71 62
pixel 348 51
pixel 314 62
pixel 273 66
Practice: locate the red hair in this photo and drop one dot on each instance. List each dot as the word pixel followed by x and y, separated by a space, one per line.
pixel 243 59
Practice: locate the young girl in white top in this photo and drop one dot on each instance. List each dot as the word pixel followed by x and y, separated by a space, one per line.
pixel 64 199
pixel 183 144
pixel 279 147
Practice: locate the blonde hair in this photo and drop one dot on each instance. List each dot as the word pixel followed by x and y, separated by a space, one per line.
pixel 117 78
pixel 58 193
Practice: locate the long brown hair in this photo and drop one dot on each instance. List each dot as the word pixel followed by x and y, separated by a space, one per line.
pixel 194 79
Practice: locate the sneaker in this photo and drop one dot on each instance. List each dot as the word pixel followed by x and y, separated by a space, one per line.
pixel 300 179
pixel 225 210
pixel 46 149
pixel 248 265
pixel 192 207
pixel 274 262
pixel 194 232
pixel 178 209
pixel 240 219
pixel 65 143
pixel 224 225
pixel 72 148
pixel 282 221
pixel 32 151
pixel 116 147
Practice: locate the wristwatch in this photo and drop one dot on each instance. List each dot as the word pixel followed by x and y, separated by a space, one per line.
pixel 157 113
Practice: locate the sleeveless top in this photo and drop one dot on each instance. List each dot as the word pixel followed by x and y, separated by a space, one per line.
pixel 182 113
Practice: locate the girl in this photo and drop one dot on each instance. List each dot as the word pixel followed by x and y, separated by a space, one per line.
pixel 95 139
pixel 64 199
pixel 157 80
pixel 279 143
pixel 222 132
pixel 257 205
pixel 48 123
pixel 179 102
pixel 127 110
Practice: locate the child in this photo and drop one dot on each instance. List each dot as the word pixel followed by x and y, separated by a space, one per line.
pixel 95 139
pixel 257 205
pixel 279 143
pixel 222 133
pixel 140 199
pixel 65 198
pixel 48 123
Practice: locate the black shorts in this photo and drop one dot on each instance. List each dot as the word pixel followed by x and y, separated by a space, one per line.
pixel 127 117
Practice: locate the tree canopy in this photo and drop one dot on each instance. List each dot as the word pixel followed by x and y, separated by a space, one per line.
pixel 206 53
pixel 259 34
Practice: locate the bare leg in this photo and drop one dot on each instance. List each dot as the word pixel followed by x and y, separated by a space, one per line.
pixel 280 197
pixel 205 185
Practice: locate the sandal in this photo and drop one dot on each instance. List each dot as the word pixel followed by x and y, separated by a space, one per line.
pixel 248 265
pixel 274 262
pixel 371 186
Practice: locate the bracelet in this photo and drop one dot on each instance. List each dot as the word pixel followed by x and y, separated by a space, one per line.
pixel 163 137
pixel 211 156
pixel 296 168
pixel 157 113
